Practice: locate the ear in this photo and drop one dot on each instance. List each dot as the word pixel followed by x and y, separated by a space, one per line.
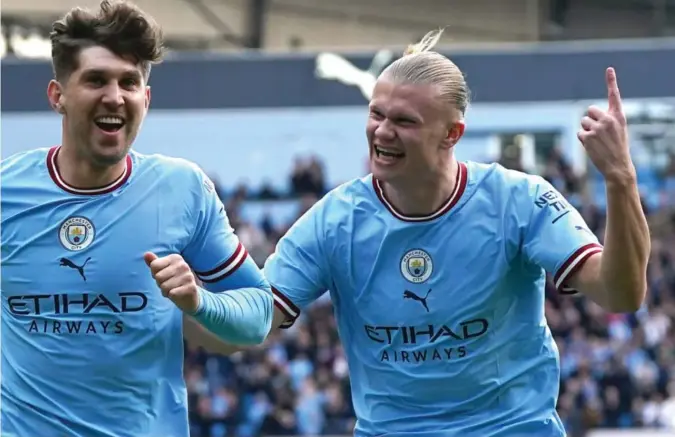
pixel 56 97
pixel 454 134
pixel 148 95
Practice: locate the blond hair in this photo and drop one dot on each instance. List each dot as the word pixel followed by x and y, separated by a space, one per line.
pixel 420 64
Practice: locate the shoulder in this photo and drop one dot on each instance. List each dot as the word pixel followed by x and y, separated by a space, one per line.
pixel 179 170
pixel 23 161
pixel 355 190
pixel 342 200
pixel 332 215
pixel 500 181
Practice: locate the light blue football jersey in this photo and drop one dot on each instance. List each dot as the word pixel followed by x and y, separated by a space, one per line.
pixel 90 347
pixel 441 316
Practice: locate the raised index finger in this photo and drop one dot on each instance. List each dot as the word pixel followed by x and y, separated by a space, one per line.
pixel 613 95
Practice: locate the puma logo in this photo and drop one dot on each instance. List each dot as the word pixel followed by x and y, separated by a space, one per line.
pixel 423 300
pixel 330 66
pixel 65 262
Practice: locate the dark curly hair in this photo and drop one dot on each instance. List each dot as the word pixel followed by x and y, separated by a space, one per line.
pixel 120 26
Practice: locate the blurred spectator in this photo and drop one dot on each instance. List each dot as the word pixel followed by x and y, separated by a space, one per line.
pixel 308 177
pixel 560 174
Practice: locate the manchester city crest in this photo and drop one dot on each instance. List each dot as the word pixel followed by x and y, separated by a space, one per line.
pixel 416 266
pixel 76 233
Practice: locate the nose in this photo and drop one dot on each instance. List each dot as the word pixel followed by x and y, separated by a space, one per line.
pixel 113 96
pixel 384 131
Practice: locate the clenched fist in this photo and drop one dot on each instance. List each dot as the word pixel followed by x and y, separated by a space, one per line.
pixel 604 134
pixel 175 278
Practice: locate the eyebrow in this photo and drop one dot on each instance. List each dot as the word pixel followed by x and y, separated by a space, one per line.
pixel 398 113
pixel 102 72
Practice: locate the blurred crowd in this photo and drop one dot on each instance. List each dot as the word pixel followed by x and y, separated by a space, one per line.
pixel 618 371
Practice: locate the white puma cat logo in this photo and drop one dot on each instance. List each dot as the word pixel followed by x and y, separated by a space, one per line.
pixel 330 66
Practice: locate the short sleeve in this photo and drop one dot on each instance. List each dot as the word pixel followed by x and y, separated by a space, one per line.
pixel 556 236
pixel 298 269
pixel 219 259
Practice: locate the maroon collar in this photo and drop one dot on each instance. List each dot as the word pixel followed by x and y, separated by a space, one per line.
pixel 53 169
pixel 460 186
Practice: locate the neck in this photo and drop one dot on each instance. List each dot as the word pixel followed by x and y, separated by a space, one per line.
pixel 423 197
pixel 77 171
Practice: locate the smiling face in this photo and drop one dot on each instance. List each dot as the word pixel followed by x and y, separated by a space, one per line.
pixel 410 131
pixel 103 103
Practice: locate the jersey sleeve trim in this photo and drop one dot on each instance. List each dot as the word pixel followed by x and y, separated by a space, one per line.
pixel 572 265
pixel 225 269
pixel 290 310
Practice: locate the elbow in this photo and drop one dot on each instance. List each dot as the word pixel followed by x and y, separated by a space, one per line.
pixel 257 337
pixel 624 308
pixel 257 332
pixel 244 336
pixel 628 299
pixel 248 335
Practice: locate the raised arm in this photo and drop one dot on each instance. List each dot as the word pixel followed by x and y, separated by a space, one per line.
pixel 617 278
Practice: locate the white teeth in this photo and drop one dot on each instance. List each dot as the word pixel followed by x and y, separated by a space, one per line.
pixel 392 152
pixel 110 120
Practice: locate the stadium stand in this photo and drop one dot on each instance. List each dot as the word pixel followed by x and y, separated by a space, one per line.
pixel 309 24
pixel 229 25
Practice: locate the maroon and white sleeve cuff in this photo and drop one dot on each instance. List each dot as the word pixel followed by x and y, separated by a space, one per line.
pixel 225 269
pixel 288 308
pixel 572 265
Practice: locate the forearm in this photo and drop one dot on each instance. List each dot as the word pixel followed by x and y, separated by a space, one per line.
pixel 627 246
pixel 238 317
pixel 198 336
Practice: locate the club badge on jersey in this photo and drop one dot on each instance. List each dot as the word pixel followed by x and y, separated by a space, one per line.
pixel 76 233
pixel 416 266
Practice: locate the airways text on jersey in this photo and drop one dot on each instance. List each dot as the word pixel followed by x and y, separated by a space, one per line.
pixel 78 290
pixel 431 342
pixel 425 316
pixel 76 313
